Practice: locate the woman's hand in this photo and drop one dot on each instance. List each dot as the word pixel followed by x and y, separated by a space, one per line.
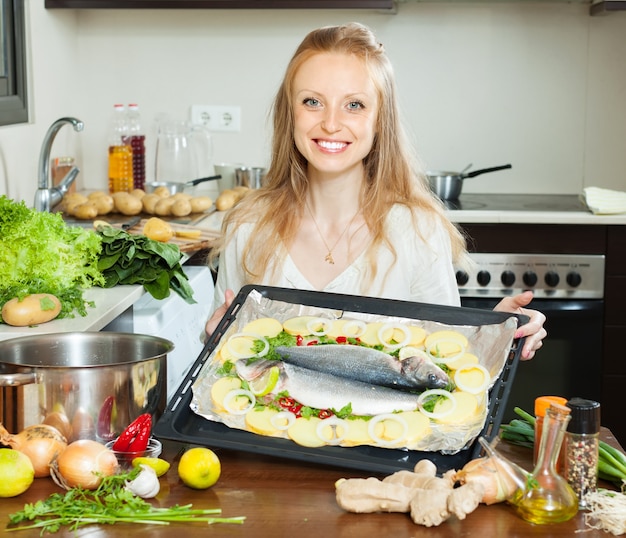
pixel 217 316
pixel 533 330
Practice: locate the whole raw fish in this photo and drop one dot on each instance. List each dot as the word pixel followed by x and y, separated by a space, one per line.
pixel 325 391
pixel 368 365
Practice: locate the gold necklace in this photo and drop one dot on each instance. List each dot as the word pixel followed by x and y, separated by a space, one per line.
pixel 329 257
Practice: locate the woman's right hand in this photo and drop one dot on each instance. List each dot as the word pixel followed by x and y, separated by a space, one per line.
pixel 217 316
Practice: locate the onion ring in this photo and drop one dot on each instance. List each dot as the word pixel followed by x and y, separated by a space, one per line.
pixel 333 422
pixel 287 415
pixel 234 394
pixel 402 328
pixel 235 353
pixel 473 390
pixel 371 429
pixel 360 325
pixel 436 392
pixel 326 325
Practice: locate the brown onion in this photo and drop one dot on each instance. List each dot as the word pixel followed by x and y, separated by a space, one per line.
pixel 83 464
pixel 59 420
pixel 40 442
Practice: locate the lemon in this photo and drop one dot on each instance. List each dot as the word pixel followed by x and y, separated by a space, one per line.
pixel 16 472
pixel 265 383
pixel 199 468
pixel 160 466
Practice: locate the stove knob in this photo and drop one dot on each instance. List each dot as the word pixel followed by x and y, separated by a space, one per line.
pixel 552 279
pixel 574 279
pixel 530 278
pixel 462 278
pixel 483 277
pixel 508 278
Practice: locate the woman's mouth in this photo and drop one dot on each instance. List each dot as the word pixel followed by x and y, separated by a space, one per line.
pixel 331 145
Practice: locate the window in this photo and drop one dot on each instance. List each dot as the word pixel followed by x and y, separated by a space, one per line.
pixel 13 105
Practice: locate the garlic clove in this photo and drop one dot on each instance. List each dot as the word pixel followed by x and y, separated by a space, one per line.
pixel 146 484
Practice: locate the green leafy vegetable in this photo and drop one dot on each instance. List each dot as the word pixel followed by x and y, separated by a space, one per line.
pixel 110 503
pixel 39 253
pixel 136 259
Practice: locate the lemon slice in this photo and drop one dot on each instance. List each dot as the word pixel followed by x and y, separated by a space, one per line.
pixel 160 466
pixel 265 383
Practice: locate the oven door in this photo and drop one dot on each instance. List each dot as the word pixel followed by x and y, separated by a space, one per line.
pixel 569 362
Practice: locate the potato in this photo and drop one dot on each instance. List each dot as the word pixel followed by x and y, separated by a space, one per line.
pixel 70 201
pixel 127 204
pixel 96 194
pixel 226 200
pixel 85 211
pixel 268 327
pixel 158 230
pixel 138 193
pixel 182 195
pixel 180 208
pixel 200 204
pixel 304 432
pixel 104 204
pixel 32 310
pixel 260 421
pixel 163 207
pixel 149 201
pixel 162 191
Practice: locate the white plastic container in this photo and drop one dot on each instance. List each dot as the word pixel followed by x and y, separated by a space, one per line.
pixel 178 321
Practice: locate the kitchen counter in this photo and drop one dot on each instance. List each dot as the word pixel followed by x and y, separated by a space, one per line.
pixel 281 497
pixel 109 304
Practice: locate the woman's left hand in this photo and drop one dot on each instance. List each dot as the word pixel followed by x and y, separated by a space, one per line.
pixel 533 330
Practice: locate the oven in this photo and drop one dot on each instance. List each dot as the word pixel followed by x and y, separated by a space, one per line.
pixel 566 275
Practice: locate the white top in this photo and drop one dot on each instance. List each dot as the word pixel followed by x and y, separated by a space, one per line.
pixel 422 272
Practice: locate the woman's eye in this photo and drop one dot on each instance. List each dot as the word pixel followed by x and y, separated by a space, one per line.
pixel 310 101
pixel 355 105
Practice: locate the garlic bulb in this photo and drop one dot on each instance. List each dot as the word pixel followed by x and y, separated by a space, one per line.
pixel 146 485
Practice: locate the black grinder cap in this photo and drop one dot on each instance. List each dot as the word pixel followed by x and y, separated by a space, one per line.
pixel 585 416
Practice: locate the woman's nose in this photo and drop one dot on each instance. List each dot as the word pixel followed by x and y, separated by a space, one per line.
pixel 331 123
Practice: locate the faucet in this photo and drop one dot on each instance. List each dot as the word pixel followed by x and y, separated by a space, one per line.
pixel 48 195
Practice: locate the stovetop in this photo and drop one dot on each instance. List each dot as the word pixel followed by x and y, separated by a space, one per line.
pixel 517 202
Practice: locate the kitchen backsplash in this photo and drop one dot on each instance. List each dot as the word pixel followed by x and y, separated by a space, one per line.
pixel 537 85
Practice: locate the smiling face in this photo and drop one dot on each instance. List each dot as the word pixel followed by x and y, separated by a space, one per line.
pixel 335 111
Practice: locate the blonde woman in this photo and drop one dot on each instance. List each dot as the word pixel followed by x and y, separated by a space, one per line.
pixel 342 208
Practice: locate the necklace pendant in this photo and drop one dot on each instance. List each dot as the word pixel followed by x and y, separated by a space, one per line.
pixel 329 258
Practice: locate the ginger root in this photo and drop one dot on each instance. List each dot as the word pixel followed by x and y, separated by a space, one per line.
pixel 429 499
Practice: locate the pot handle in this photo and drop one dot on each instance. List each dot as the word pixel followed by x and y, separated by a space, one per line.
pixel 485 170
pixel 15 380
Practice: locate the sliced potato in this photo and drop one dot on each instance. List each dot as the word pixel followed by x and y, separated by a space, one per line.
pixel 357 433
pixel 260 421
pixel 466 408
pixel 418 427
pixel 298 325
pixel 221 388
pixel 304 432
pixel 268 327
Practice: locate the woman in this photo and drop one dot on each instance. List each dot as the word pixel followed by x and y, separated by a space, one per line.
pixel 342 209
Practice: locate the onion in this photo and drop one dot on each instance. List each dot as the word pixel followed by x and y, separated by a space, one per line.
pixel 403 328
pixel 432 351
pixel 326 325
pixel 436 392
pixel 283 420
pixel 235 353
pixel 335 424
pixel 41 443
pixel 228 401
pixel 83 464
pixel 358 325
pixel 59 421
pixel 371 429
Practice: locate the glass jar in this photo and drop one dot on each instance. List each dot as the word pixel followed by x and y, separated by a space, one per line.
pixel 541 405
pixel 581 446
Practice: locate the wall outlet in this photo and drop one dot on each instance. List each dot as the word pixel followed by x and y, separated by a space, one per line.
pixel 217 118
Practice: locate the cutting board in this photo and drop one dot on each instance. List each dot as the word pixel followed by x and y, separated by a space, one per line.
pixel 185 244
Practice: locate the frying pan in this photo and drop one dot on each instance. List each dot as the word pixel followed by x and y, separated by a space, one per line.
pixel 448 185
pixel 174 186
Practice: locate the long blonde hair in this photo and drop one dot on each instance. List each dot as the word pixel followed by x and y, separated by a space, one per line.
pixel 392 175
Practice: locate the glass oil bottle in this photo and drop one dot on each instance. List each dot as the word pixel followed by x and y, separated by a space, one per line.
pixel 548 497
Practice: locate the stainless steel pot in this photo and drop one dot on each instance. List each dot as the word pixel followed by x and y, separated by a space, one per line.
pixel 175 187
pixel 95 382
pixel 448 185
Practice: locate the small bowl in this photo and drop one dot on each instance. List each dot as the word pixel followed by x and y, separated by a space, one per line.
pixel 125 459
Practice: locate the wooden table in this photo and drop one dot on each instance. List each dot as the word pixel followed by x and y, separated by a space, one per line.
pixel 290 498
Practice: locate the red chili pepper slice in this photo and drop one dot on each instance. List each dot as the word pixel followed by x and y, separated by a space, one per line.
pixel 341 339
pixel 299 340
pixel 312 343
pixel 325 413
pixel 125 439
pixel 103 428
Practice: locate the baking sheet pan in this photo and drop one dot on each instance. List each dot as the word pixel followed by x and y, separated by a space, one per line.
pixel 180 423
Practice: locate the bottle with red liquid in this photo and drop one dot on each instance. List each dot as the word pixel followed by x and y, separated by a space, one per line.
pixel 137 141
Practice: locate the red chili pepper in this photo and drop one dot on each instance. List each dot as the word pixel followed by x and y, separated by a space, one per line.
pixel 137 426
pixel 103 428
pixel 140 442
pixel 286 402
pixel 341 339
pixel 299 340
pixel 325 413
pixel 312 343
pixel 296 410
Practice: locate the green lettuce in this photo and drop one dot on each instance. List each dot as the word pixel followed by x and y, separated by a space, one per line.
pixel 39 253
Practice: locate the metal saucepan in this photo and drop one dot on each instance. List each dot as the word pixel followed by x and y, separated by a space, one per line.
pixel 175 187
pixel 91 383
pixel 448 185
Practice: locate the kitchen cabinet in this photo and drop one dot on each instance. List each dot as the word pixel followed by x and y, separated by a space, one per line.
pixel 222 4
